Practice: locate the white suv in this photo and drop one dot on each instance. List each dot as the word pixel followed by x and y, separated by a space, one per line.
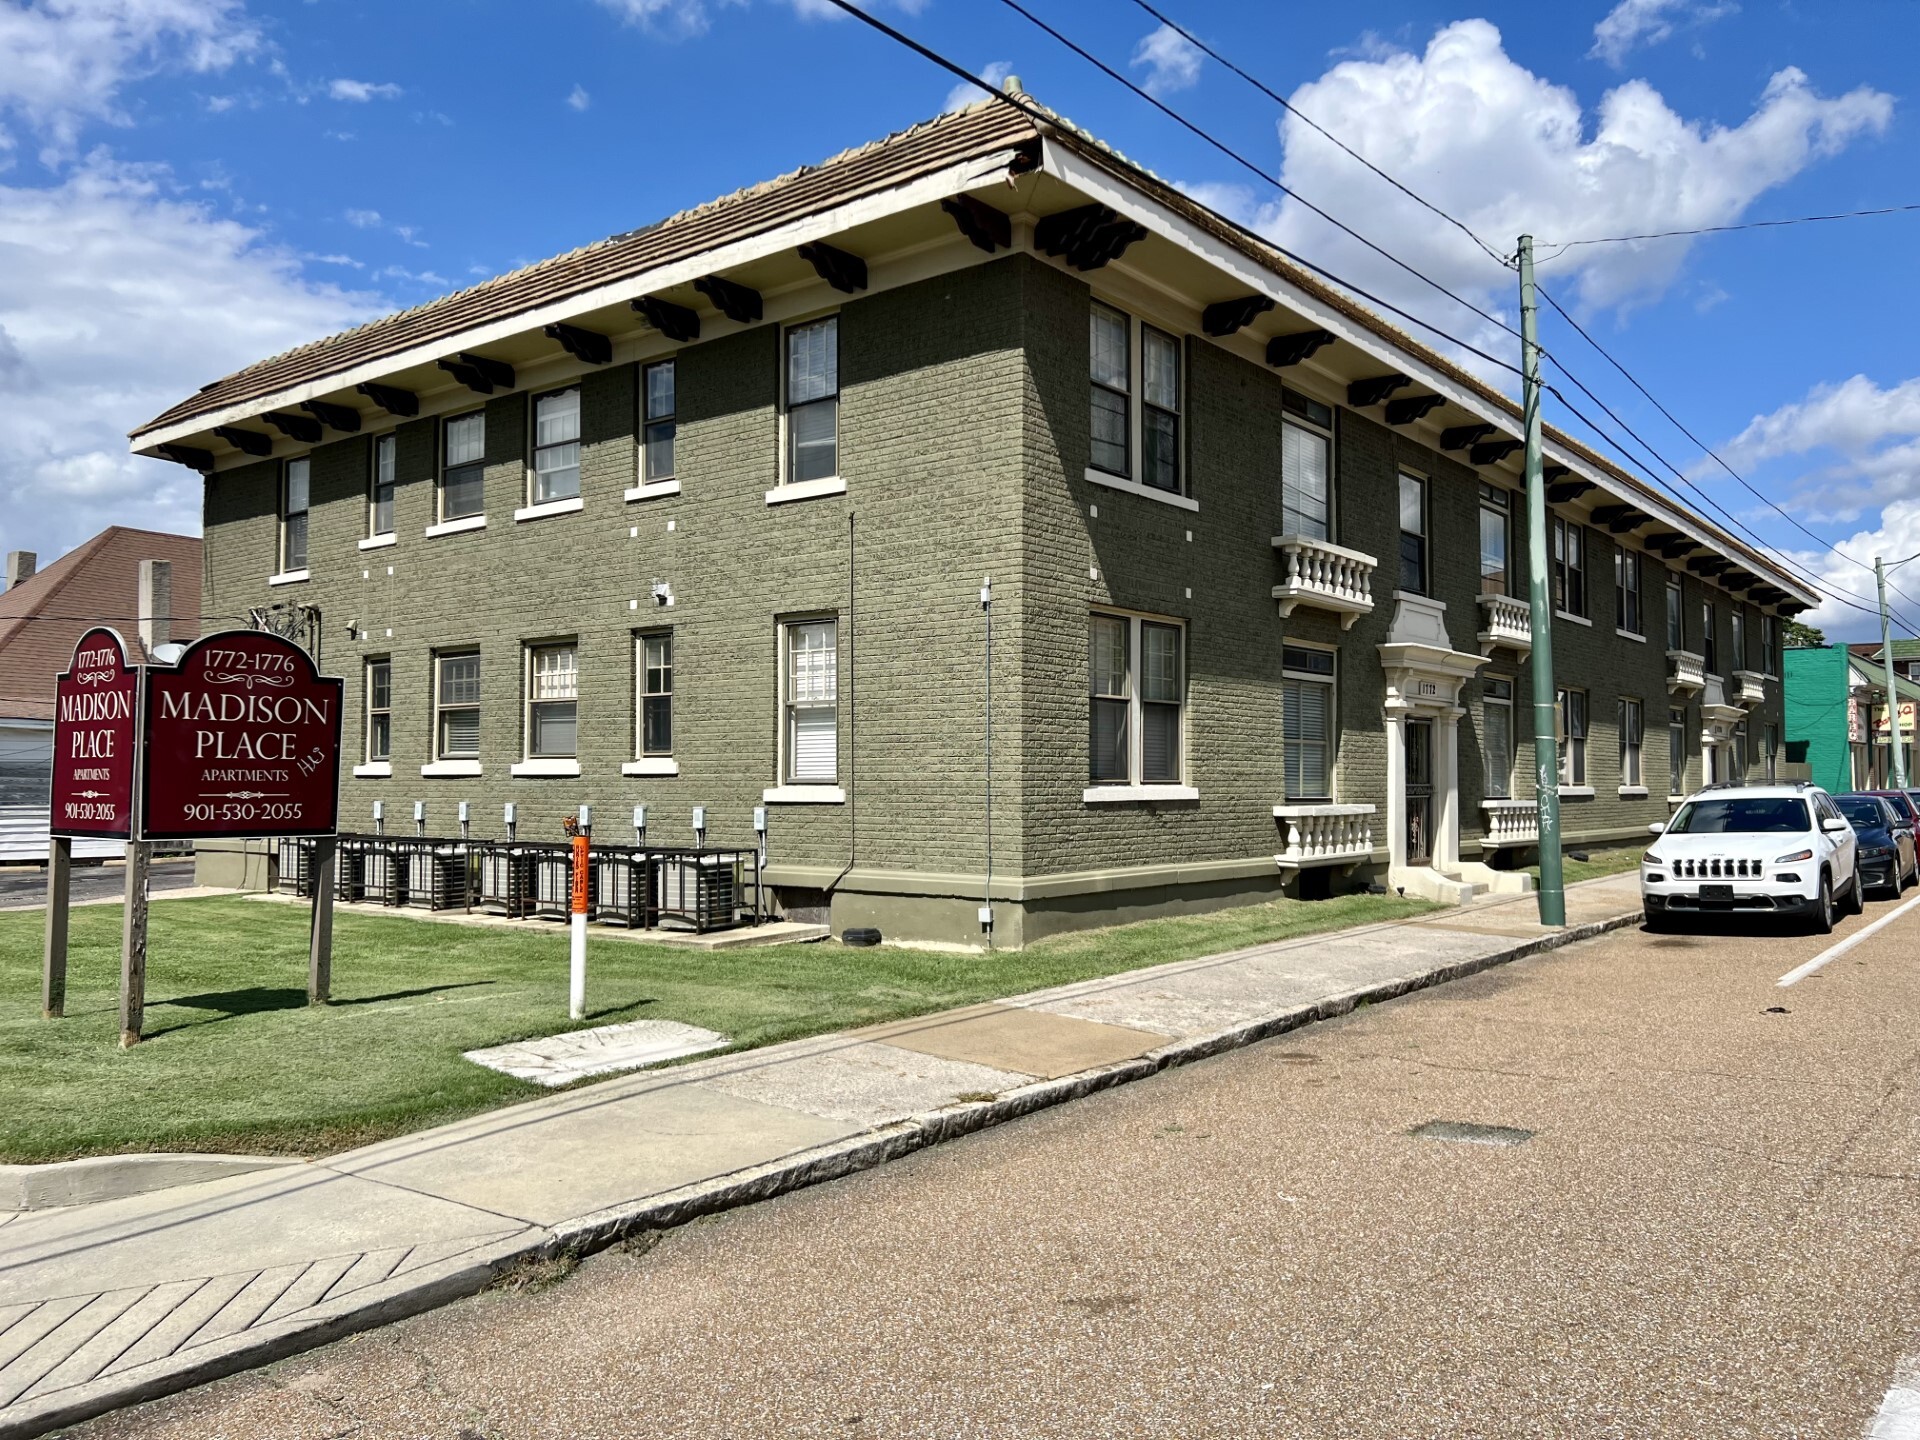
pixel 1779 849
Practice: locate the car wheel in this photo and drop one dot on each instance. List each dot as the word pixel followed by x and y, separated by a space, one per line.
pixel 1823 908
pixel 1856 894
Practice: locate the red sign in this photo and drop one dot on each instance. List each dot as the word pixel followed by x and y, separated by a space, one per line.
pixel 243 741
pixel 93 739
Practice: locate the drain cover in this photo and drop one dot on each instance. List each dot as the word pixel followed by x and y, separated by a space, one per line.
pixel 1471 1134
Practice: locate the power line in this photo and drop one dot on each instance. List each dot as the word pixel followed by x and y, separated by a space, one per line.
pixel 1713 454
pixel 1562 247
pixel 1241 160
pixel 1313 124
pixel 1043 117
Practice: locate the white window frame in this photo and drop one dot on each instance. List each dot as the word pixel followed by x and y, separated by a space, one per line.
pixel 1401 476
pixel 1632 721
pixel 285 561
pixel 441 707
pixel 1737 634
pixel 1331 681
pixel 642 694
pixel 1491 701
pixel 386 458
pixel 473 518
pixel 788 779
pixel 1676 613
pixel 1676 749
pixel 371 710
pixel 1495 501
pixel 1297 415
pixel 791 488
pixel 1572 747
pixel 1769 642
pixel 529 701
pixel 1567 557
pixel 1136 786
pixel 649 422
pixel 537 498
pixel 1709 642
pixel 1629 600
pixel 1132 479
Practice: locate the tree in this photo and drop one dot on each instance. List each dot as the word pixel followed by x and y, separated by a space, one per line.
pixel 1801 636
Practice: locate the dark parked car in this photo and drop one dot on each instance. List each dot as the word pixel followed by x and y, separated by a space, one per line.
pixel 1887 857
pixel 1903 803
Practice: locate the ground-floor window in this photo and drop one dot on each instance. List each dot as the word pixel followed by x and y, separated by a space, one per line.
pixel 1676 751
pixel 1496 736
pixel 810 696
pixel 379 710
pixel 553 702
pixel 1739 775
pixel 1772 761
pixel 1136 695
pixel 1630 727
pixel 656 694
pixel 457 706
pixel 1306 697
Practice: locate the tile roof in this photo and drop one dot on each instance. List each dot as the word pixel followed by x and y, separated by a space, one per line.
pixel 95 583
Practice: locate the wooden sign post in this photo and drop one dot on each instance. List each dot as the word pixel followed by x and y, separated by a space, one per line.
pixel 95 725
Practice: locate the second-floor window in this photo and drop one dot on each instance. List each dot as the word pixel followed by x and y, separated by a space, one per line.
pixel 1626 586
pixel 293 515
pixel 1413 534
pixel 1676 616
pixel 1739 637
pixel 380 486
pixel 456 702
pixel 1112 375
pixel 1709 645
pixel 658 408
pixel 556 446
pixel 463 466
pixel 1569 567
pixel 813 401
pixel 379 710
pixel 1159 410
pixel 1306 469
pixel 656 694
pixel 553 702
pixel 810 687
pixel 1495 518
pixel 1769 644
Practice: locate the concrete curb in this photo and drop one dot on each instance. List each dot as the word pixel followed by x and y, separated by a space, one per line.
pixel 466 1275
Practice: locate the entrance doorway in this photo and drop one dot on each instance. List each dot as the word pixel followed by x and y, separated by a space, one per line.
pixel 1419 786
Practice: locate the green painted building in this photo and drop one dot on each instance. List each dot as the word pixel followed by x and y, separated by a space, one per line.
pixel 786 501
pixel 1836 713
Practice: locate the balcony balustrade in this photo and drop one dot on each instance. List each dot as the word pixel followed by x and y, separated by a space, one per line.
pixel 1689 671
pixel 1506 621
pixel 1324 834
pixel 1324 576
pixel 1510 822
pixel 1749 687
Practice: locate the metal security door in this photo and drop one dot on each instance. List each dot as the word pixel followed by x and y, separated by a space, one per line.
pixel 1419 783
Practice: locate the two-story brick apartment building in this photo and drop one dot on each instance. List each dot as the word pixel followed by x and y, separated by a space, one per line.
pixel 702 515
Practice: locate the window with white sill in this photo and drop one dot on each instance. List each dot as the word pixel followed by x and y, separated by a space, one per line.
pixel 654 666
pixel 463 456
pixel 1136 685
pixel 810 700
pixel 556 447
pixel 380 486
pixel 456 703
pixel 553 696
pixel 293 515
pixel 1572 724
pixel 1626 591
pixel 659 407
pixel 1569 567
pixel 1121 349
pixel 379 748
pixel 813 401
pixel 1631 724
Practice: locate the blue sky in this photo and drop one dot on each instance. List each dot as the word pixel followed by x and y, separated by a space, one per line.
pixel 188 185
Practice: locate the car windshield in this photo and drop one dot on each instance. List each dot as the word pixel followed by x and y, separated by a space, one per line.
pixel 1861 810
pixel 1750 815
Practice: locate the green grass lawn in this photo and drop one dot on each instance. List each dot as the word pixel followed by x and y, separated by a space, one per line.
pixel 1598 863
pixel 235 1060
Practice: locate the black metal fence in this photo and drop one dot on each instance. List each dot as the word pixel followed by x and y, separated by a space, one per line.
pixel 631 886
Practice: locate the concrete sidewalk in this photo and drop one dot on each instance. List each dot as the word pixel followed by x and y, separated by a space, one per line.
pixel 105 1304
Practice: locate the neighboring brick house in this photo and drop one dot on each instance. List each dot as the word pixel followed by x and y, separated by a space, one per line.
pixel 42 614
pixel 701 515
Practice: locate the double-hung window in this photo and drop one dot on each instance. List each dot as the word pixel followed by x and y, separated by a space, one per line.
pixel 456 702
pixel 1496 737
pixel 812 702
pixel 1769 643
pixel 463 466
pixel 1739 776
pixel 656 694
pixel 1573 737
pixel 1626 591
pixel 1569 567
pixel 1709 645
pixel 1160 410
pixel 553 701
pixel 1413 534
pixel 1135 731
pixel 380 486
pixel 379 711
pixel 556 446
pixel 1676 616
pixel 658 408
pixel 813 401
pixel 293 515
pixel 1739 637
pixel 1112 374
pixel 1306 722
pixel 1496 507
pixel 1632 720
pixel 1306 468
pixel 1771 737
pixel 1676 750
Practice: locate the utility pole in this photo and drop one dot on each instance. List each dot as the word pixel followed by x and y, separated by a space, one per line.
pixel 1546 759
pixel 1896 762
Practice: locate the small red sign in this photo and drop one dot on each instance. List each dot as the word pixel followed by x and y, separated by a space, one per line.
pixel 93 739
pixel 243 741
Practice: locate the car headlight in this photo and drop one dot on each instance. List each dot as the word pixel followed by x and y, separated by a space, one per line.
pixel 1795 856
pixel 1877 852
pixel 1651 859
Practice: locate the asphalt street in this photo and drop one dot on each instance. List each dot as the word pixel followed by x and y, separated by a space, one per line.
pixel 1712 1230
pixel 27 884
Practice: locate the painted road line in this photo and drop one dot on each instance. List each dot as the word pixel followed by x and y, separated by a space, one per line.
pixel 1899 1414
pixel 1834 952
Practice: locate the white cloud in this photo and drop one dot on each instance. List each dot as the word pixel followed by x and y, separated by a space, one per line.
pixel 994 75
pixel 578 98
pixel 63 62
pixel 1864 442
pixel 361 91
pixel 1509 152
pixel 363 219
pixel 1633 23
pixel 1172 60
pixel 684 19
pixel 116 300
